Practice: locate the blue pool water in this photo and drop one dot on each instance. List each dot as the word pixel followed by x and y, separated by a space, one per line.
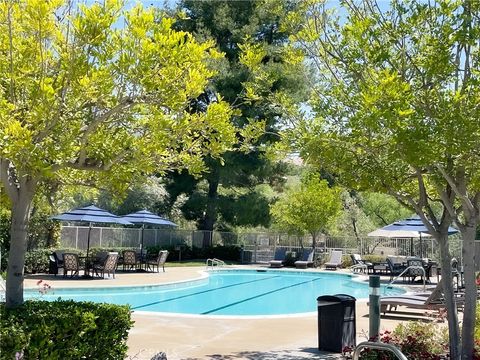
pixel 237 292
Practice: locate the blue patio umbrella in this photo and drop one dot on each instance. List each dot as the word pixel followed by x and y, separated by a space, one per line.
pixel 145 217
pixel 412 227
pixel 90 214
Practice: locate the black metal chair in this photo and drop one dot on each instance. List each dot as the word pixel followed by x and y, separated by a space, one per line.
pixel 417 271
pixel 56 262
pixel 158 261
pixel 71 263
pixel 129 259
pixel 108 266
pixel 394 269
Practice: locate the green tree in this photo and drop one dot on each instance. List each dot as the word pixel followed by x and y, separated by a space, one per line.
pixel 84 100
pixel 218 198
pixel 309 208
pixel 397 109
pixel 382 209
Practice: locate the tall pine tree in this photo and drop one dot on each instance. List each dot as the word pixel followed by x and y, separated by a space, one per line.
pixel 227 194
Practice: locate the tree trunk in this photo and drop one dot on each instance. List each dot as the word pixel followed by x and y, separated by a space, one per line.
pixel 314 240
pixel 211 212
pixel 468 250
pixel 18 245
pixel 452 317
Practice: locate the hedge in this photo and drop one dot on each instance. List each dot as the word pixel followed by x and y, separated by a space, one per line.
pixel 36 261
pixel 64 329
pixel 223 252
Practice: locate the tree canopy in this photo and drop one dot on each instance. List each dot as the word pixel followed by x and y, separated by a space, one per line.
pixel 309 208
pixel 85 100
pixel 218 199
pixel 396 110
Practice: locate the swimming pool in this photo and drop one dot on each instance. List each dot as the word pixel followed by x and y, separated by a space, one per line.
pixel 229 292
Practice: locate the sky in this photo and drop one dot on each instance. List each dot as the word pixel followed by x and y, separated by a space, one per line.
pixel 384 4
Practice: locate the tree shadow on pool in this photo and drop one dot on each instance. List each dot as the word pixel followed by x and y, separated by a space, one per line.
pixel 296 354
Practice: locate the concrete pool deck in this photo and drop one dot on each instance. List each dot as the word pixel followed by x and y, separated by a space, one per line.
pixel 200 337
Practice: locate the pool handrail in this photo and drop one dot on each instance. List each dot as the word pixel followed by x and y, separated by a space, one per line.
pixel 378 346
pixel 214 263
pixel 416 267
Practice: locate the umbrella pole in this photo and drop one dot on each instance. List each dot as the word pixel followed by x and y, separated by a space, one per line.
pixel 88 238
pixel 85 274
pixel 421 247
pixel 141 242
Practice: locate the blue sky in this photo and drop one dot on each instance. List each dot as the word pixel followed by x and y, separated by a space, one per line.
pixel 384 4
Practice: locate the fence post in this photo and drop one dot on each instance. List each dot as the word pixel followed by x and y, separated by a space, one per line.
pixel 255 249
pixel 76 238
pixel 100 237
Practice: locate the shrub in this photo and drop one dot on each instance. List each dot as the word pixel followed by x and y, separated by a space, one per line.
pixel 374 258
pixel 37 261
pixel 42 231
pixel 222 252
pixel 415 339
pixel 5 224
pixel 64 330
pixel 477 333
pixel 95 250
pixel 346 261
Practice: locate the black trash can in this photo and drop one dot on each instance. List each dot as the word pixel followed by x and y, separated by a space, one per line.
pixel 336 322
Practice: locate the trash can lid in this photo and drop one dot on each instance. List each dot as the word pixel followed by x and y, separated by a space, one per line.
pixel 338 298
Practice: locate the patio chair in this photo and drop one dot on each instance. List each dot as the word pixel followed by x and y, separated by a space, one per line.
pixel 359 264
pixel 129 259
pixel 394 269
pixel 413 273
pixel 278 258
pixel 335 260
pixel 107 266
pixel 159 261
pixel 56 262
pixel 306 259
pixel 70 263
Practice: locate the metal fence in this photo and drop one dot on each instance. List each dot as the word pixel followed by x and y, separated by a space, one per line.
pixel 258 247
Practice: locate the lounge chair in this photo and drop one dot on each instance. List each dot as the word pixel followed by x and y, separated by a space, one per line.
pixel 278 258
pixel 433 301
pixel 306 259
pixel 359 264
pixel 335 260
pixel 108 265
pixel 159 261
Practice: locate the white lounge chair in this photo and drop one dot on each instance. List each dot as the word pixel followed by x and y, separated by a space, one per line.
pixel 335 260
pixel 433 301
